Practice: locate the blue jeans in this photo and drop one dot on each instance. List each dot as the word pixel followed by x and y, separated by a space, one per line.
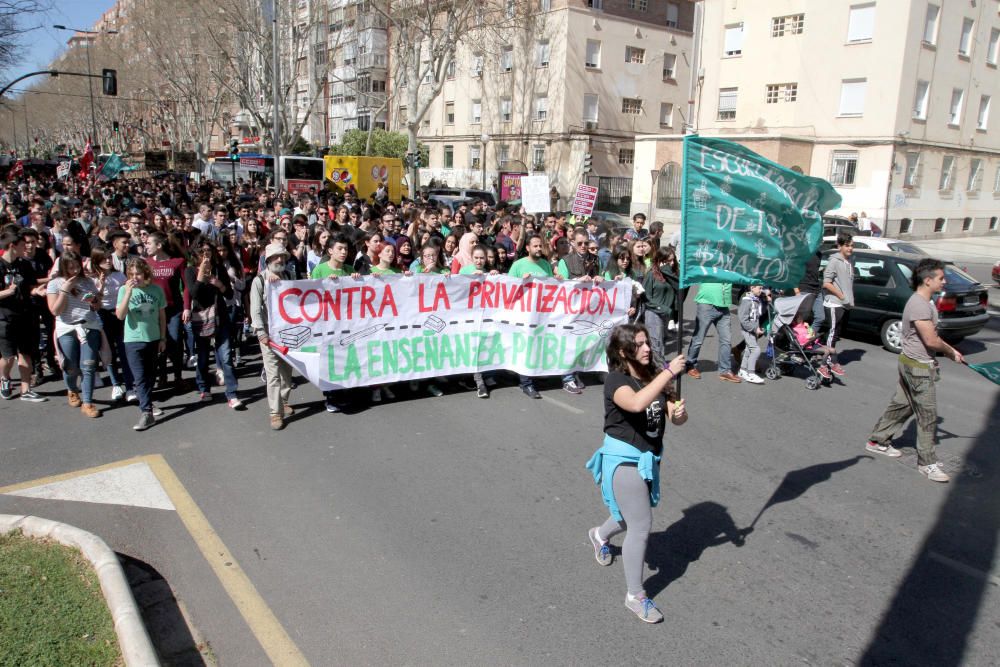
pixel 655 325
pixel 175 344
pixel 142 358
pixel 819 313
pixel 80 359
pixel 203 345
pixel 707 316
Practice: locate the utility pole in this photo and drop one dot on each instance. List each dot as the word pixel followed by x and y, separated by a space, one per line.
pixel 90 74
pixel 275 88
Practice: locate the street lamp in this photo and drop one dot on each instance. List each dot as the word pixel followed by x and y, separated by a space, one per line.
pixel 482 160
pixel 90 74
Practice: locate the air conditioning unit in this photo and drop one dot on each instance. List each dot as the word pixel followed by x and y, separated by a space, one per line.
pixel 590 125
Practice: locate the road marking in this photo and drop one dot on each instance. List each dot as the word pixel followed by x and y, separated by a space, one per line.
pixel 265 626
pixel 964 569
pixel 134 485
pixel 564 406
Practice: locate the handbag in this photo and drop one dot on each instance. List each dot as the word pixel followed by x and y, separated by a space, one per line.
pixel 207 319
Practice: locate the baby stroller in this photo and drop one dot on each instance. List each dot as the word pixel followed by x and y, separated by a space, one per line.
pixel 783 347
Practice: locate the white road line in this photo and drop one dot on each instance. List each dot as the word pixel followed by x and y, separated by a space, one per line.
pixel 965 569
pixel 564 406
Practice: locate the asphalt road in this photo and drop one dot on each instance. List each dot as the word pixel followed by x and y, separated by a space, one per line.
pixel 453 531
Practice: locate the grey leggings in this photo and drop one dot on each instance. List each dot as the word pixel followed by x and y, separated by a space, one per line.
pixel 632 496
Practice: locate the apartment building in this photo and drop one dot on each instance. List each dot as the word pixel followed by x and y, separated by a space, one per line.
pixel 892 101
pixel 580 78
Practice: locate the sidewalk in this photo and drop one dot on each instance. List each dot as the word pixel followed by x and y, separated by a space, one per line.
pixel 976 250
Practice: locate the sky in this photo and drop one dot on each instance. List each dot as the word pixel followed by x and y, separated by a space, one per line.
pixel 44 43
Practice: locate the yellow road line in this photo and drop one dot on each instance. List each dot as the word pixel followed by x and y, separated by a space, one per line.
pixel 263 623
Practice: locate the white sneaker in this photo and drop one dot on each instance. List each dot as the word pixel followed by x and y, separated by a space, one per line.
pixel 192 361
pixel 753 378
pixel 934 472
pixel 671 325
pixel 118 392
pixel 131 397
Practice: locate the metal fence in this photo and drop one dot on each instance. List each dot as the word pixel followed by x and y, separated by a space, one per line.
pixel 614 193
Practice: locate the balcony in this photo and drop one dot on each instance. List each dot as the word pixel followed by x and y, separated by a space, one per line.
pixel 371 100
pixel 372 21
pixel 372 61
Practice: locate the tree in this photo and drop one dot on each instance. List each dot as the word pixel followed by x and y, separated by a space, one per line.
pixel 381 144
pixel 12 27
pixel 425 38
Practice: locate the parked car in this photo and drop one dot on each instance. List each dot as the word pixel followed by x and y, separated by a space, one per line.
pixel 882 287
pixel 461 193
pixel 449 201
pixel 875 243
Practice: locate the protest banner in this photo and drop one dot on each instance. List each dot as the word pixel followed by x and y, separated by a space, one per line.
pixel 746 218
pixel 373 330
pixel 584 200
pixel 535 193
pixel 63 169
pixel 990 371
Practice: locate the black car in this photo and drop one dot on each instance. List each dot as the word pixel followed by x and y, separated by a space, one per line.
pixel 882 287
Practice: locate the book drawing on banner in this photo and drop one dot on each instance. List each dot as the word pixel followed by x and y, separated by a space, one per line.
pixel 745 218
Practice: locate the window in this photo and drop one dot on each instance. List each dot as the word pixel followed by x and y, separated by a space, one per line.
pixel 449 113
pixel 477 112
pixel 871 271
pixel 449 157
pixel 673 10
pixel 626 155
pixel 993 50
pixel 538 157
pixel 477 65
pixel 733 45
pixel 506 113
pixel 635 55
pixel 955 107
pixel 545 5
pixel 920 100
pixel 931 24
pixel 781 92
pixel 939 225
pixel 947 171
pixel 474 157
pixel 507 59
pixel 904 226
pixel 542 51
pixel 643 5
pixel 984 112
pixel 852 97
pixel 669 66
pixel 911 179
pixel 965 41
pixel 510 9
pixel 449 72
pixel 541 107
pixel 861 23
pixel 593 58
pixel 631 105
pixel 996 184
pixel 595 4
pixel 793 24
pixel 590 106
pixel 966 224
pixel 503 154
pixel 993 223
pixel 844 167
pixel 727 103
pixel 975 175
pixel 666 114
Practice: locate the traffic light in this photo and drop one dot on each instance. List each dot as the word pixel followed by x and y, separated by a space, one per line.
pixel 234 149
pixel 114 126
pixel 588 163
pixel 109 82
pixel 416 160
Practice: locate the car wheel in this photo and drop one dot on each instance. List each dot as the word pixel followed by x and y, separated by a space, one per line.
pixel 892 335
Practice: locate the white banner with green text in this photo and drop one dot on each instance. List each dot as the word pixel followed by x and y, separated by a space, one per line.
pixel 342 332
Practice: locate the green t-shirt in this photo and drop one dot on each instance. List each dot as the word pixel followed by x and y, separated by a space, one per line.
pixel 379 271
pixel 469 269
pixel 719 295
pixel 324 270
pixel 529 267
pixel 142 321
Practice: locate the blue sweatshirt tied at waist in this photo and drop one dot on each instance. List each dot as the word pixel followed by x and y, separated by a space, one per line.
pixel 612 454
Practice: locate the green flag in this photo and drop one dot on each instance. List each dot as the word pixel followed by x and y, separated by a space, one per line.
pixel 745 218
pixel 112 167
pixel 990 371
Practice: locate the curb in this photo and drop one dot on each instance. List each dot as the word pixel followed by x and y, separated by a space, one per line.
pixel 137 649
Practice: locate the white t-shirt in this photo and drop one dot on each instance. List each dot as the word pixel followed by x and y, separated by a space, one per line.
pixel 78 311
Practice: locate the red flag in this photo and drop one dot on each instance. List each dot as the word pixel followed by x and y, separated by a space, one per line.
pixel 86 160
pixel 16 171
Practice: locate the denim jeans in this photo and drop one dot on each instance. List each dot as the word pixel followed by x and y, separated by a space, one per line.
pixel 707 316
pixel 114 330
pixel 220 343
pixel 142 359
pixel 819 313
pixel 80 359
pixel 175 345
pixel 655 325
